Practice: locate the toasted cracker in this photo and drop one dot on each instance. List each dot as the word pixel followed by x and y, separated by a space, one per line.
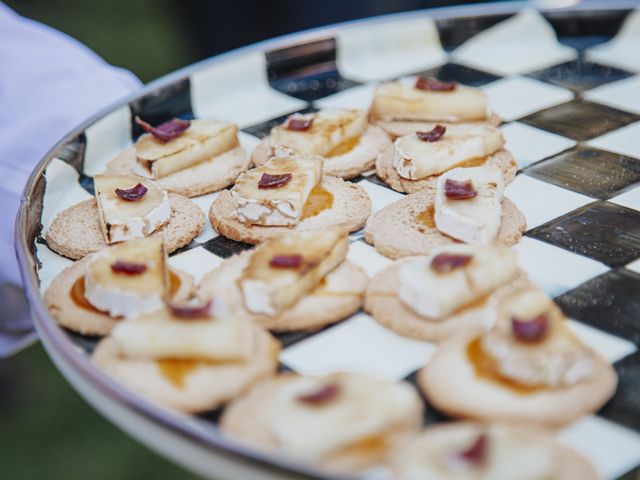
pixel 502 159
pixel 450 384
pixel 75 232
pixel 247 419
pixel 70 315
pixel 567 463
pixel 339 297
pixel 349 165
pixel 205 388
pixel 350 210
pixel 210 176
pixel 399 128
pixel 396 232
pixel 384 305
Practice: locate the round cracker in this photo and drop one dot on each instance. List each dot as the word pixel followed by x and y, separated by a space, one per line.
pixel 399 128
pixel 68 314
pixel 350 210
pixel 396 232
pixel 502 159
pixel 384 305
pixel 349 165
pixel 76 232
pixel 339 297
pixel 207 387
pixel 248 418
pixel 567 463
pixel 209 176
pixel 450 384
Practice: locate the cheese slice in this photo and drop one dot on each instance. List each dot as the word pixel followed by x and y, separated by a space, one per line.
pixel 330 128
pixel 436 296
pixel 475 220
pixel 400 100
pixel 269 290
pixel 160 335
pixel 122 220
pixel 510 454
pixel 281 206
pixel 127 295
pixel 364 408
pixel 415 158
pixel 203 140
pixel 558 359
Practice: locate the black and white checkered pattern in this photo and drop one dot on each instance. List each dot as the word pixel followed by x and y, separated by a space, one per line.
pixel 572 120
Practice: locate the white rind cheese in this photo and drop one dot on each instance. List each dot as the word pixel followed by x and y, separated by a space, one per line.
pixel 437 295
pixel 475 220
pixel 122 220
pixel 400 100
pixel 329 129
pixel 415 158
pixel 123 295
pixel 269 290
pixel 203 140
pixel 282 206
pixel 159 335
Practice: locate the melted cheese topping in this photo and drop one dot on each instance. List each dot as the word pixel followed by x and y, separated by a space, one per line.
pixel 283 206
pixel 159 335
pixel 400 100
pixel 269 290
pixel 559 360
pixel 330 130
pixel 364 408
pixel 415 159
pixel 436 295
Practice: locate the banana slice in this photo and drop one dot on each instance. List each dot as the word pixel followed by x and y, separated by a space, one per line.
pixel 127 211
pixel 129 278
pixel 321 133
pixel 415 158
pixel 275 193
pixel 453 277
pixel 402 100
pixel 281 271
pixel 468 204
pixel 203 140
pixel 164 335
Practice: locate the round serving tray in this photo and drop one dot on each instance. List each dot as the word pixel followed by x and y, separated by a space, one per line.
pixel 571 107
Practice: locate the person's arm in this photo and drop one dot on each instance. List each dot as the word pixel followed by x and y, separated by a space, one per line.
pixel 49 83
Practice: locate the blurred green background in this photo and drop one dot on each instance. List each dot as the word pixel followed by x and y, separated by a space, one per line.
pixel 46 429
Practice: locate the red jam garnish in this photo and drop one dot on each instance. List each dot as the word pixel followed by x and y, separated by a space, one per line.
pixel 165 131
pixel 532 330
pixel 459 190
pixel 432 135
pixel 299 124
pixel 445 262
pixel 191 311
pixel 434 85
pixel 286 261
pixel 128 268
pixel 320 396
pixel 274 181
pixel 132 194
pixel 477 452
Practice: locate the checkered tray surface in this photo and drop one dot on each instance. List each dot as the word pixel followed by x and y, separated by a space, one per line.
pixel 571 112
